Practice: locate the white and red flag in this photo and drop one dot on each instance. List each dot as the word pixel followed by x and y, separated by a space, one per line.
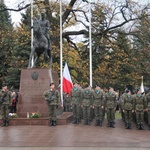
pixel 67 82
pixel 142 86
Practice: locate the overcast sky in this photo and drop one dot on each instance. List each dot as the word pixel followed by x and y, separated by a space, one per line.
pixel 16 15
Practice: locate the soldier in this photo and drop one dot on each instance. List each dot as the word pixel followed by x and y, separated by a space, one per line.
pixel 127 107
pixel 87 100
pixel 147 98
pixel 67 100
pixel 98 105
pixel 6 101
pixel 110 103
pixel 139 107
pixel 52 98
pixel 76 102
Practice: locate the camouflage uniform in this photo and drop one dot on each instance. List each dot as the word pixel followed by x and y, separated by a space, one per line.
pixel 147 98
pixel 87 100
pixel 52 98
pixel 104 110
pixel 110 103
pixel 98 103
pixel 76 102
pixel 5 106
pixel 127 107
pixel 67 101
pixel 121 102
pixel 139 106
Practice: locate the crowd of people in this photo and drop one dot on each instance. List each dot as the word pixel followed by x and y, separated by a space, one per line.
pixel 88 104
pixel 92 105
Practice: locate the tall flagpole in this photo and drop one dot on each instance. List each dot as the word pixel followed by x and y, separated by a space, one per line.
pixel 90 42
pixel 32 61
pixel 61 57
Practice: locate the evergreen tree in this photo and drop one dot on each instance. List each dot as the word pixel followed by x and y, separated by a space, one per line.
pixel 6 46
pixel 141 47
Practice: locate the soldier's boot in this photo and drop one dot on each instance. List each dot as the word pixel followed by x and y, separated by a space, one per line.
pixel 50 122
pixel 130 127
pixel 89 122
pixel 149 127
pixel 141 127
pixel 97 122
pixel 100 123
pixel 74 121
pixel 4 123
pixel 112 124
pixel 138 127
pixel 7 123
pixel 54 123
pixel 109 125
pixel 85 122
pixel 77 122
pixel 127 125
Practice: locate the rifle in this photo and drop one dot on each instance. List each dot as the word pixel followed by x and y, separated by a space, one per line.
pixel 3 98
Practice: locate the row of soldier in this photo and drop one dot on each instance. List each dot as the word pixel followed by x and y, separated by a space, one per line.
pixel 84 101
pixel 87 99
pixel 135 107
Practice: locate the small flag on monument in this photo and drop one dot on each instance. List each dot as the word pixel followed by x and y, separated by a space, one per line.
pixel 142 86
pixel 67 82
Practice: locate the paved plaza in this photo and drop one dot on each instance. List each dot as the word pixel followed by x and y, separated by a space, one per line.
pixel 74 137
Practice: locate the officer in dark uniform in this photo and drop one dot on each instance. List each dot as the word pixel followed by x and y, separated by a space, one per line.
pixel 52 98
pixel 6 101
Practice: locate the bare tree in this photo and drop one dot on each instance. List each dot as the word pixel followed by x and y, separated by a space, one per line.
pixel 117 14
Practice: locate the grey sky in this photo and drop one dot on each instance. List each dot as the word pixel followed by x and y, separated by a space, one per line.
pixel 16 15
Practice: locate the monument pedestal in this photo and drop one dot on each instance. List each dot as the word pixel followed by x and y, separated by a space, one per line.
pixel 33 83
pixel 62 119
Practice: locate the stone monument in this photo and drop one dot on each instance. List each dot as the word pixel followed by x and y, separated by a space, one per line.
pixel 33 83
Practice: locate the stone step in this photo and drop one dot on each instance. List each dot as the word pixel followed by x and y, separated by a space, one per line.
pixel 63 119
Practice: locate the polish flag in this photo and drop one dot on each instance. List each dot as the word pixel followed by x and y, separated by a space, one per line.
pixel 67 82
